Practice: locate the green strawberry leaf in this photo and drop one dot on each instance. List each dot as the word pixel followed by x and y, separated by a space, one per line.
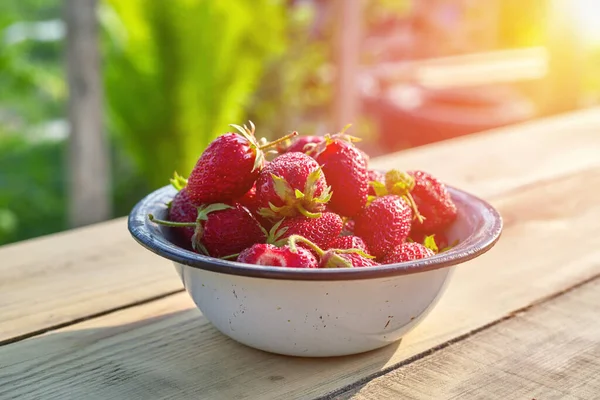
pixel 429 242
pixel 357 251
pixel 324 197
pixel 379 188
pixel 275 233
pixel 283 189
pixel 204 210
pixel 399 182
pixel 311 180
pixel 178 181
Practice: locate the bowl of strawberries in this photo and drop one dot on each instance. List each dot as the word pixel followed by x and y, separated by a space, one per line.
pixel 297 247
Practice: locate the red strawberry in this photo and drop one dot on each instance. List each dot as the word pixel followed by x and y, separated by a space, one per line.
pixel 384 224
pixel 222 230
pixel 248 200
pixel 300 144
pixel 348 229
pixel 334 258
pixel 228 167
pixel 374 176
pixel 433 201
pixel 292 184
pixel 349 242
pixel 320 231
pixel 270 255
pixel 346 172
pixel 182 209
pixel 407 251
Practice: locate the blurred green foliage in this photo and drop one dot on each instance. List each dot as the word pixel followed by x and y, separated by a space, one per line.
pixel 178 73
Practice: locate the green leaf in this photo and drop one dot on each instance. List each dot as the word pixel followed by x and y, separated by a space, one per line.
pixel 178 181
pixel 203 211
pixel 379 188
pixel 275 233
pixel 299 194
pixel 429 242
pixel 203 84
pixel 310 184
pixel 283 189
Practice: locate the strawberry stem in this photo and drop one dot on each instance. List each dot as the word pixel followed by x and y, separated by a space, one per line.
pixel 416 214
pixel 171 223
pixel 277 141
pixel 231 256
pixel 297 238
pixel 307 213
pixel 350 251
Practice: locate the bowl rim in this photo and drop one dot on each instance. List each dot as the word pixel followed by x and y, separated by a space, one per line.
pixel 147 234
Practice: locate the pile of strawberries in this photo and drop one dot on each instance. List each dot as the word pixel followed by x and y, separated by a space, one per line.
pixel 315 204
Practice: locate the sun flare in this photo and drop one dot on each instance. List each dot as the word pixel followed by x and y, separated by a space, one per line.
pixel 587 18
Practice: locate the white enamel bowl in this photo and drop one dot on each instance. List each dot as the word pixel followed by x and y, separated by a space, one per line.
pixel 318 312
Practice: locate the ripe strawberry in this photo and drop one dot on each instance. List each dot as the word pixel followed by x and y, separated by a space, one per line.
pixel 248 200
pixel 433 201
pixel 407 251
pixel 181 209
pixel 349 242
pixel 292 184
pixel 228 167
pixel 374 176
pixel 222 230
pixel 320 231
pixel 270 255
pixel 300 144
pixel 334 258
pixel 348 229
pixel 384 224
pixel 346 172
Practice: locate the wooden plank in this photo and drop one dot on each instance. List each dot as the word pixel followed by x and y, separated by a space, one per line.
pixel 549 352
pixel 463 70
pixel 56 279
pixel 497 161
pixel 89 158
pixel 165 349
pixel 92 270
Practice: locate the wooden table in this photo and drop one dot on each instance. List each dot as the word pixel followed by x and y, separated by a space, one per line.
pixel 89 314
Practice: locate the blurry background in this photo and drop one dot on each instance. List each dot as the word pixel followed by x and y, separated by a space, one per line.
pixel 150 83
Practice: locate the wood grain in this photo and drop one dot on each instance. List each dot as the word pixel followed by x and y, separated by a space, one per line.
pixel 501 160
pixel 549 352
pixel 166 349
pixel 52 280
pixel 62 278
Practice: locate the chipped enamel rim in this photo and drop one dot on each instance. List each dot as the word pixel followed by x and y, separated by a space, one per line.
pixel 487 221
